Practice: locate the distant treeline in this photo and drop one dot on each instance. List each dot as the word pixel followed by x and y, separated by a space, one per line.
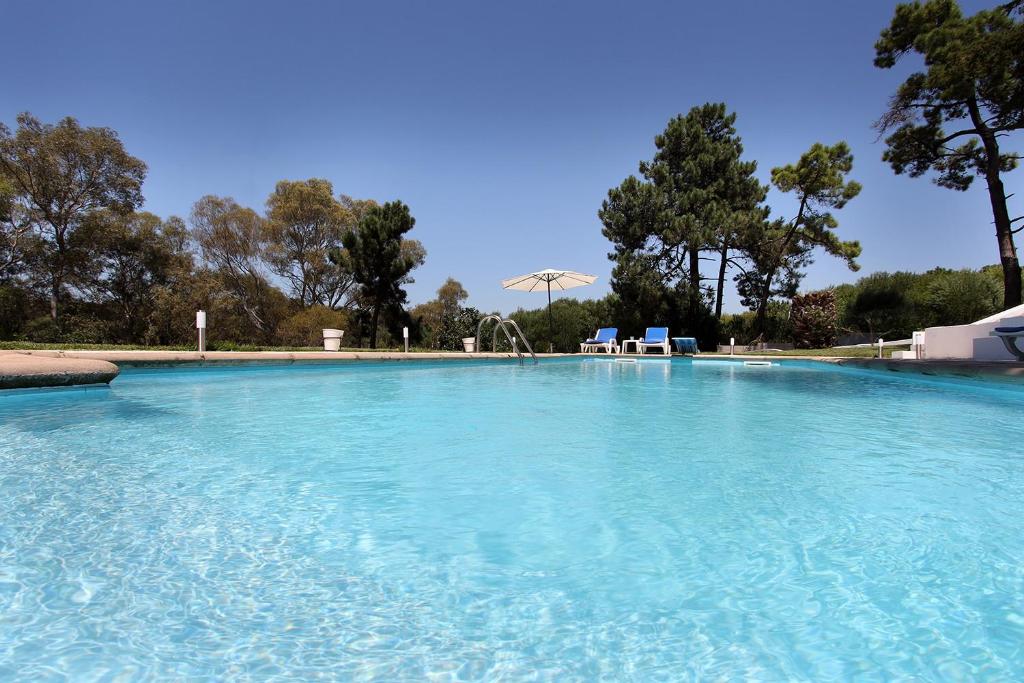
pixel 80 263
pixel 888 305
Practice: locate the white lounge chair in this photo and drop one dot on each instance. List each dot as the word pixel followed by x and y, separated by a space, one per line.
pixel 604 339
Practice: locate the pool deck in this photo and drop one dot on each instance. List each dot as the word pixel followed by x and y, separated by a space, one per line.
pixel 54 368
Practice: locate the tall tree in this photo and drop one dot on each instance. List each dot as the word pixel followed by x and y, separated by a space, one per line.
pixel 771 268
pixel 232 239
pixel 451 294
pixel 381 259
pixel 305 223
pixel 61 173
pixel 818 181
pixel 433 316
pixel 694 193
pixel 136 255
pixel 950 117
pixel 14 229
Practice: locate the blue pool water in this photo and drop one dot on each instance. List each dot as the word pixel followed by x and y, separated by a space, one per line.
pixel 576 520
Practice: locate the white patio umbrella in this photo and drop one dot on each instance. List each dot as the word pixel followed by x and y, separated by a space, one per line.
pixel 548 279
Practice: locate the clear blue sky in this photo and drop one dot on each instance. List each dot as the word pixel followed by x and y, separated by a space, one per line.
pixel 502 125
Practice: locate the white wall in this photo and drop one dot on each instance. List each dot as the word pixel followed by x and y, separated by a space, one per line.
pixel 968 341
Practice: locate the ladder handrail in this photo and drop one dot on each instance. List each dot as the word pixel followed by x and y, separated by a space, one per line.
pixel 522 336
pixel 480 327
pixel 503 325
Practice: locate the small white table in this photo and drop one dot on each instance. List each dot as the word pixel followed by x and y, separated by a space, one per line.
pixel 632 340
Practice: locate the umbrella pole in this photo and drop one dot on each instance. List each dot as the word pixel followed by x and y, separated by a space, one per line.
pixel 551 324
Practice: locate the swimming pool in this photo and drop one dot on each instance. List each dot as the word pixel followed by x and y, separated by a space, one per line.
pixel 572 520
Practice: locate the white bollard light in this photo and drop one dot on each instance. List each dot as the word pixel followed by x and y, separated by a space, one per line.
pixel 732 345
pixel 405 336
pixel 201 326
pixel 879 347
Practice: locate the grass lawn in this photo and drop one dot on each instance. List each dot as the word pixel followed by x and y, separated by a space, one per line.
pixel 858 352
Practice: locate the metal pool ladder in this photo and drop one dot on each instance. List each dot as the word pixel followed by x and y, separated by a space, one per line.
pixel 503 325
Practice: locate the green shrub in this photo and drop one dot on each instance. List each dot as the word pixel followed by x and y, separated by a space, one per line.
pixel 83 329
pixel 814 320
pixel 42 329
pixel 740 326
pixel 572 322
pixel 305 328
pixel 15 310
pixel 455 326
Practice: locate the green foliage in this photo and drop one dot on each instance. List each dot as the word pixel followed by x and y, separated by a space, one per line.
pixel 14 230
pixel 774 267
pixel 305 223
pixel 455 325
pixel 232 240
pixel 819 184
pixel 133 255
pixel 742 326
pixel 893 305
pixel 62 173
pixel 814 320
pixel 693 196
pixel 15 310
pixel 70 232
pixel 958 296
pixel 305 327
pixel 380 259
pixel 882 305
pixel 41 329
pixel 950 117
pixel 574 321
pixel 440 321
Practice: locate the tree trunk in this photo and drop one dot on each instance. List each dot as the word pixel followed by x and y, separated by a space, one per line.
pixel 761 319
pixel 57 272
pixel 997 197
pixel 1004 235
pixel 721 279
pixel 373 326
pixel 694 281
pixel 54 297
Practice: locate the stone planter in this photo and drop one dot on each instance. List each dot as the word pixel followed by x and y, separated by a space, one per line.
pixel 332 339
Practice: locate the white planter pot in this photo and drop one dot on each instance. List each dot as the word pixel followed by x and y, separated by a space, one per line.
pixel 469 344
pixel 332 339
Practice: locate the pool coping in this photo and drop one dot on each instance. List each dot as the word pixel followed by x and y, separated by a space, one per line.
pixel 141 358
pixel 44 368
pixel 21 371
pixel 38 368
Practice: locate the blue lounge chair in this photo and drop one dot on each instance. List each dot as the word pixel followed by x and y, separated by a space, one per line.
pixel 1010 336
pixel 604 339
pixel 655 338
